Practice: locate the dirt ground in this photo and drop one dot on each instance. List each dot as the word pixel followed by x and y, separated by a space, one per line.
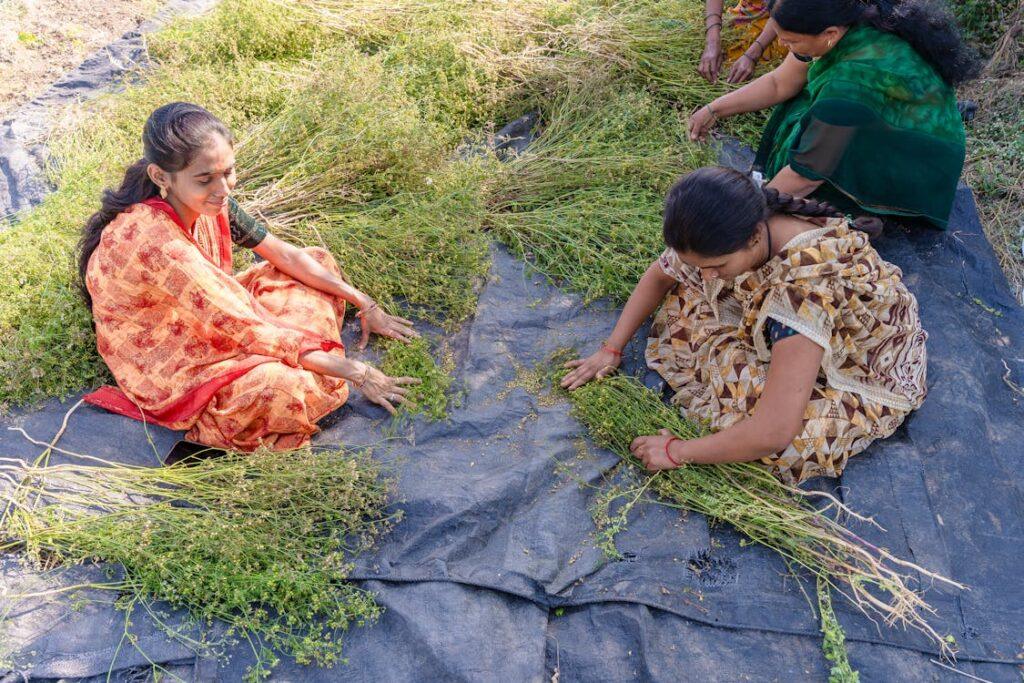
pixel 40 40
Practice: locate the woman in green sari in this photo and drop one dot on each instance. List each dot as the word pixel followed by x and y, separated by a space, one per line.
pixel 865 108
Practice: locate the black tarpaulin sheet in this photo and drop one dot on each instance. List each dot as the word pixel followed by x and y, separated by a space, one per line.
pixel 493 573
pixel 23 150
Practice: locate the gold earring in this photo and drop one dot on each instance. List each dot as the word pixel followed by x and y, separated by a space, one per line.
pixel 163 192
pixel 830 44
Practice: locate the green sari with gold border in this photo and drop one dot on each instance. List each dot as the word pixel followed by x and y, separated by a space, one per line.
pixel 877 124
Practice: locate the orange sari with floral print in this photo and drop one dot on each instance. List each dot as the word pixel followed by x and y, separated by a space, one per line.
pixel 193 347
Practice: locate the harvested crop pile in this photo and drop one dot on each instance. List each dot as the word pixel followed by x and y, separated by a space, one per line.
pixel 261 541
pixel 618 409
pixel 355 120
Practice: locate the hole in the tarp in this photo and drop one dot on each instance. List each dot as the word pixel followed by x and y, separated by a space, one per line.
pixel 628 557
pixel 710 570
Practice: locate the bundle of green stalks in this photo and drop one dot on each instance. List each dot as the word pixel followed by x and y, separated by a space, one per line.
pixel 583 203
pixel 422 250
pixel 452 56
pixel 618 409
pixel 654 44
pixel 261 541
pixel 348 135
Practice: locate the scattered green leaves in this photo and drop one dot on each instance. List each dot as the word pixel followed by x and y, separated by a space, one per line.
pixel 433 397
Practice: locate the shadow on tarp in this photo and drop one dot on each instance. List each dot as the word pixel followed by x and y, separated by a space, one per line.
pixel 493 573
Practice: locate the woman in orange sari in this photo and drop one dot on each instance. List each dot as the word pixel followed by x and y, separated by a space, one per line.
pixel 238 361
pixel 751 40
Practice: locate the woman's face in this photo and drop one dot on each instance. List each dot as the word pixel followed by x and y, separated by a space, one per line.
pixel 205 184
pixel 730 266
pixel 809 45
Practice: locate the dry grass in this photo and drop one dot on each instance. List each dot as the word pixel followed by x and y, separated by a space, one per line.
pixel 995 163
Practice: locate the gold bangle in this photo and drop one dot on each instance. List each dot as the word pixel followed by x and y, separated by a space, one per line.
pixel 362 381
pixel 364 311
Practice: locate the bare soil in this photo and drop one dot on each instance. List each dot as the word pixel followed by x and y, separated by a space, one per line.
pixel 40 40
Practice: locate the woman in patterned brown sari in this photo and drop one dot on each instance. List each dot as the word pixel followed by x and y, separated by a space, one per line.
pixel 779 325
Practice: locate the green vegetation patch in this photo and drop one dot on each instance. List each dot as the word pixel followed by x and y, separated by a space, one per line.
pixel 583 203
pixel 618 409
pixel 261 541
pixel 833 642
pixel 433 396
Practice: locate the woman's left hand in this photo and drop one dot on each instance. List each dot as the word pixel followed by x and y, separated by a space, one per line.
pixel 375 320
pixel 742 69
pixel 650 450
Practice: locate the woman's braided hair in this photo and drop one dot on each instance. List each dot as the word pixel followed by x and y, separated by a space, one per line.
pixel 781 202
pixel 715 211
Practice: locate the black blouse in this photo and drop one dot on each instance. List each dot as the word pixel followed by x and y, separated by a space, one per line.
pixel 246 231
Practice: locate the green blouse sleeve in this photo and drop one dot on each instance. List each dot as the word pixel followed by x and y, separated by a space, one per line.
pixel 246 231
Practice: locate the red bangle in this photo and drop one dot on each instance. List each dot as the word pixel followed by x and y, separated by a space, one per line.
pixel 669 457
pixel 609 349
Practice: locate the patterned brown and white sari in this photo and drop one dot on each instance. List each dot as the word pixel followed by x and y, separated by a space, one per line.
pixel 828 284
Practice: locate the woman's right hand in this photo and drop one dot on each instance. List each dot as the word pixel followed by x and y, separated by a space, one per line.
pixel 386 391
pixel 711 60
pixel 701 123
pixel 599 365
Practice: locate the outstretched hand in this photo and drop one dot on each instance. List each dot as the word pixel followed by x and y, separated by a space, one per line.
pixel 387 391
pixel 376 321
pixel 599 365
pixel 701 123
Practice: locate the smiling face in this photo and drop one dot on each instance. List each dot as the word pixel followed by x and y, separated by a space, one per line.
pixel 729 266
pixel 204 185
pixel 809 45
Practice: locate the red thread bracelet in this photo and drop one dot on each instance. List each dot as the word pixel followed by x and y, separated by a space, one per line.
pixel 609 349
pixel 669 457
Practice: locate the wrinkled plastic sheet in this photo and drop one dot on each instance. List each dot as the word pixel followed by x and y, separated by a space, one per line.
pixel 493 571
pixel 23 151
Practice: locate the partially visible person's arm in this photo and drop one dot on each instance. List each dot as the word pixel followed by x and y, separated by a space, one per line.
pixel 789 181
pixel 645 299
pixel 777 419
pixel 782 83
pixel 744 67
pixel 711 60
pixel 385 391
pixel 295 262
